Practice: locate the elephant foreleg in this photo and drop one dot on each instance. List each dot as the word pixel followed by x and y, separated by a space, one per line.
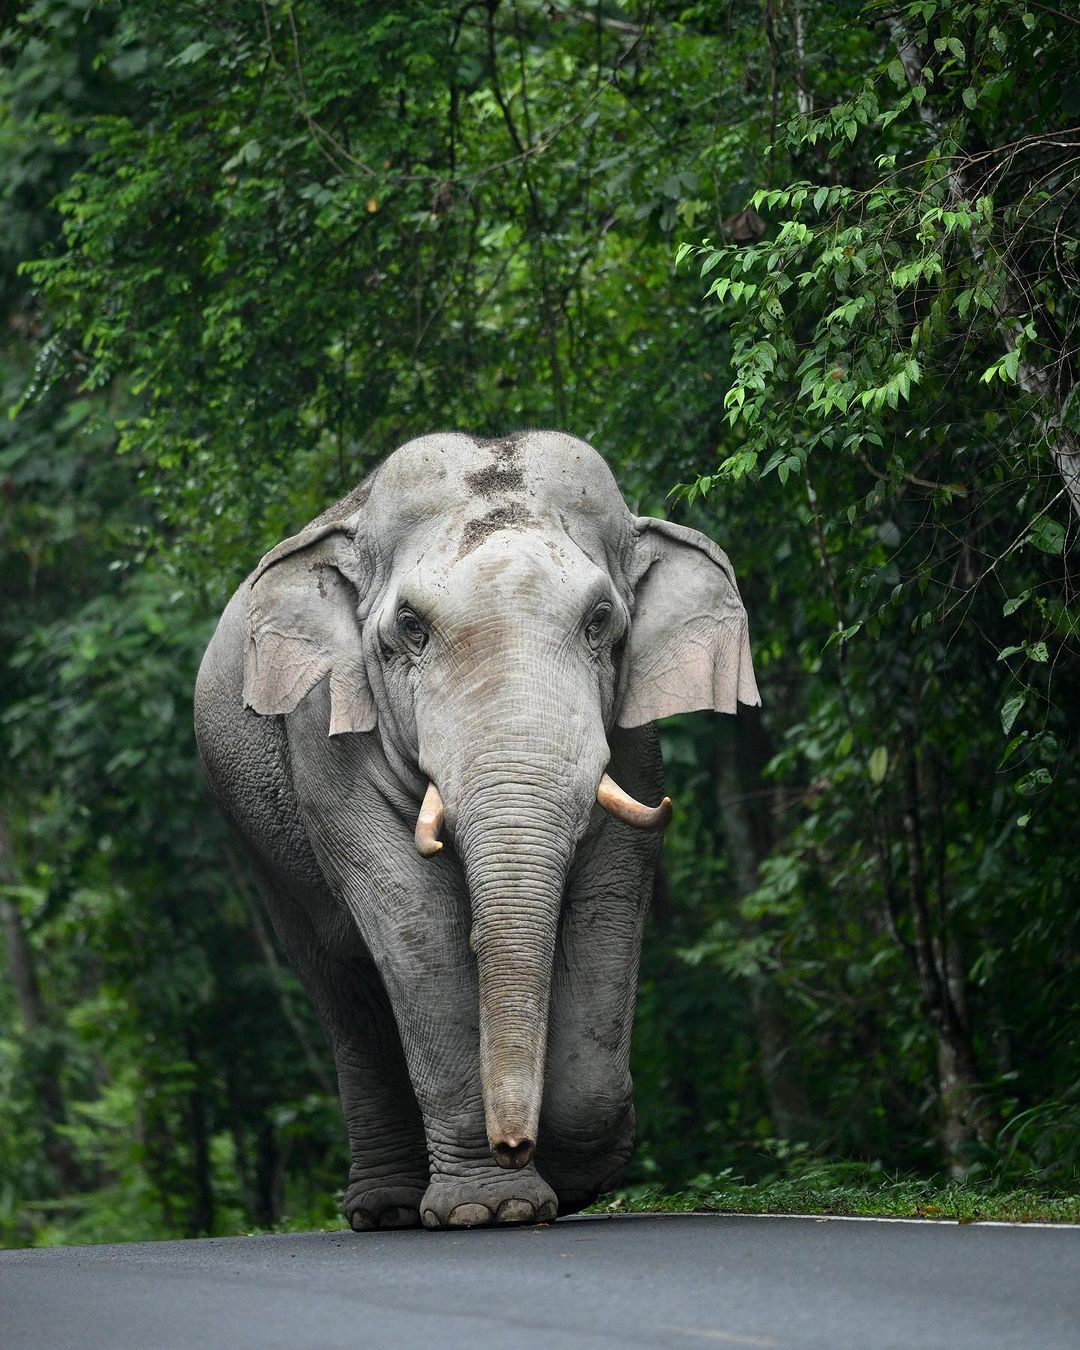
pixel 587 1120
pixel 430 974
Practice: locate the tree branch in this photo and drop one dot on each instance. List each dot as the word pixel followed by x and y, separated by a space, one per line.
pixel 1064 443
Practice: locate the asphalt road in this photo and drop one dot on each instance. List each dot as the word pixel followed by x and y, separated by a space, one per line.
pixel 582 1284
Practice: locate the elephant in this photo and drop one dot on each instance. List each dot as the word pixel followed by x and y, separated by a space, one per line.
pixel 429 720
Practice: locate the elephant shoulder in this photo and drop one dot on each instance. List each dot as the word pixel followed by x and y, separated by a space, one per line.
pixel 222 665
pixel 230 738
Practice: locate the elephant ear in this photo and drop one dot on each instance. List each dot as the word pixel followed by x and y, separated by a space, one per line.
pixel 303 625
pixel 689 641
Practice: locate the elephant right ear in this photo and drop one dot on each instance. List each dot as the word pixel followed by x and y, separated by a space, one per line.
pixel 303 625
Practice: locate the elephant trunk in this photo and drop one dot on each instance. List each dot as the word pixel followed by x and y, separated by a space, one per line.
pixel 517 845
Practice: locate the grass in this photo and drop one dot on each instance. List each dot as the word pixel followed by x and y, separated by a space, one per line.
pixel 827 1190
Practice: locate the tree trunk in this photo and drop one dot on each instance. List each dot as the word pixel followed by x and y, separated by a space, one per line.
pixel 803 95
pixel 746 819
pixel 939 969
pixel 201 1214
pixel 267 1174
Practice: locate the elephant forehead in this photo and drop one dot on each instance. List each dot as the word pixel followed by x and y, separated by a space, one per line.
pixel 447 494
pixel 527 474
pixel 529 571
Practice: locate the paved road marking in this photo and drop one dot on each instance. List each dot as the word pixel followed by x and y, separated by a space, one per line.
pixel 923 1222
pixel 727 1337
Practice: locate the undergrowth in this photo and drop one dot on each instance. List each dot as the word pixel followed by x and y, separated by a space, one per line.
pixel 851 1189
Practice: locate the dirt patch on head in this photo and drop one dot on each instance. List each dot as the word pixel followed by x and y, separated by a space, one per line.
pixel 504 473
pixel 512 516
pixel 503 447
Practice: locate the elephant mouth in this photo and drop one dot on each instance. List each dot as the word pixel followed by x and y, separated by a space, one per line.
pixel 614 799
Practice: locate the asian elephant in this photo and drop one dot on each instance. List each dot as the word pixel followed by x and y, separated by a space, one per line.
pixel 428 718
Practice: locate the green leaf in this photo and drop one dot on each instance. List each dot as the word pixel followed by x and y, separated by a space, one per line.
pixel 1010 711
pixel 192 53
pixel 1010 748
pixel 1031 782
pixel 970 97
pixel 1047 535
pixel 878 765
pixel 1012 605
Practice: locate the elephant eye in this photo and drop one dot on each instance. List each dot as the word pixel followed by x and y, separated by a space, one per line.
pixel 597 622
pixel 412 630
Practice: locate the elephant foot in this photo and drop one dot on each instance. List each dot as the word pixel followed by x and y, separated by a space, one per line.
pixel 579 1186
pixel 488 1197
pixel 370 1206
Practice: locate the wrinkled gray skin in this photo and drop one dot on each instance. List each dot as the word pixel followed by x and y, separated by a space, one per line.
pixel 487 616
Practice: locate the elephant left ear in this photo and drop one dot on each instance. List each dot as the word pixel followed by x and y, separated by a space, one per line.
pixel 302 626
pixel 689 640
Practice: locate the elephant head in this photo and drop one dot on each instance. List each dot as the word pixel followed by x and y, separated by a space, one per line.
pixel 491 610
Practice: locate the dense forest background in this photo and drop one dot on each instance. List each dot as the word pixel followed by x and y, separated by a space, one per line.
pixel 805 273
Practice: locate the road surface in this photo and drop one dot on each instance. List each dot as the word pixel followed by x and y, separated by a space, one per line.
pixel 582 1284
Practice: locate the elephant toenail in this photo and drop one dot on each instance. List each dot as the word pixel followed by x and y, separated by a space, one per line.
pixel 515 1211
pixel 361 1221
pixel 547 1212
pixel 469 1216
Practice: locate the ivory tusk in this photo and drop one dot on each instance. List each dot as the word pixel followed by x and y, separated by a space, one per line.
pixel 429 823
pixel 624 807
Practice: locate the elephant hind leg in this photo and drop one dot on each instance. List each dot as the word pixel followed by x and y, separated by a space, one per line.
pixel 388 1170
pixel 388 1167
pixel 586 1139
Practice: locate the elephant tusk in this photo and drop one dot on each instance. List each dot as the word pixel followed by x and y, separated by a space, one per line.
pixel 429 823
pixel 624 807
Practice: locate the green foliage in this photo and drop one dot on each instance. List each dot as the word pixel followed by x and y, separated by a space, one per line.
pixel 247 248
